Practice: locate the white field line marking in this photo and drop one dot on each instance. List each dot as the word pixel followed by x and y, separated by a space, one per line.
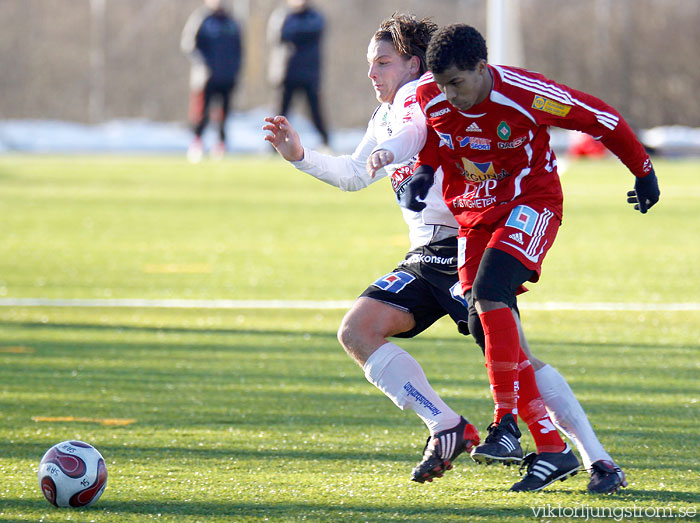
pixel 322 304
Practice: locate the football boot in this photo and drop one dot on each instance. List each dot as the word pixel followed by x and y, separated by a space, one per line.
pixel 545 468
pixel 502 444
pixel 442 448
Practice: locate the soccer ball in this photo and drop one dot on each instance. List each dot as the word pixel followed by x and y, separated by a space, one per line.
pixel 72 474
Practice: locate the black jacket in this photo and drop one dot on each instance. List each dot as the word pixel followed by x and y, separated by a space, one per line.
pixel 218 40
pixel 303 30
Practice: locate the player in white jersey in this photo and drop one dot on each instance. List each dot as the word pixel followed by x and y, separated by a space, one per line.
pixel 425 285
pixel 417 293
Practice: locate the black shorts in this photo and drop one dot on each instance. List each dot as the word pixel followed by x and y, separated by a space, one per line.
pixel 426 285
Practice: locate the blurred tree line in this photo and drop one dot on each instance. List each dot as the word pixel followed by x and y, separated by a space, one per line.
pixel 95 60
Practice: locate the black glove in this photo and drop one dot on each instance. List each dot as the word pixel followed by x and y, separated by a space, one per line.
pixel 646 192
pixel 417 189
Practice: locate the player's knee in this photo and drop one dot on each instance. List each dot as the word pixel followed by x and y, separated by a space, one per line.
pixel 346 334
pixel 356 332
pixel 368 325
pixel 485 289
pixel 499 277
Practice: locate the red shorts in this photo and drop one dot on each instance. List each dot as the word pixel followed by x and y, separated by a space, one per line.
pixel 526 233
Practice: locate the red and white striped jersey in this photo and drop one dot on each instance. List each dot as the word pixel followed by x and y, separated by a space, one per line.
pixel 498 154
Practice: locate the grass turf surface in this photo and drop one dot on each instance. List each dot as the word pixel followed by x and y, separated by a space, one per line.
pixel 248 414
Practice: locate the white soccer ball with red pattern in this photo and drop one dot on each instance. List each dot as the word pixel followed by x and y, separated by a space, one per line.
pixel 72 474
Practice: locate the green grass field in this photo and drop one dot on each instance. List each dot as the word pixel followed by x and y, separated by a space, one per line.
pixel 253 415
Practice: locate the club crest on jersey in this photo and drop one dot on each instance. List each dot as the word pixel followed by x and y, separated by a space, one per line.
pixel 550 106
pixel 480 171
pixel 503 131
pixel 445 139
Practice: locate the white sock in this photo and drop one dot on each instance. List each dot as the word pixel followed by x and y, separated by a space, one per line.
pixel 398 375
pixel 568 415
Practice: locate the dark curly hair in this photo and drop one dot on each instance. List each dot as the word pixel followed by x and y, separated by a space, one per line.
pixel 408 35
pixel 457 45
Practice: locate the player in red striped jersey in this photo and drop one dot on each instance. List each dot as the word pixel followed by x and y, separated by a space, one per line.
pixel 489 131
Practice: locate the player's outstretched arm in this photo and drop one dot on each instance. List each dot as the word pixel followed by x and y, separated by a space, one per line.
pixel 284 138
pixel 646 192
pixel 347 172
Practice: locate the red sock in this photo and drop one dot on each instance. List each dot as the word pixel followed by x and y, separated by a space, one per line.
pixel 533 412
pixel 502 348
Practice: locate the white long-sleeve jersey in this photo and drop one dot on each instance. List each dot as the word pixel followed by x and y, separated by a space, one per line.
pixel 399 128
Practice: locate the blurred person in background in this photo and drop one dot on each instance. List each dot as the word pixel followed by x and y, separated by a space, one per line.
pixel 212 40
pixel 295 32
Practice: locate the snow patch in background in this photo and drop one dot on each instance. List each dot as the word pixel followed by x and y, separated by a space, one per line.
pixel 672 140
pixel 244 135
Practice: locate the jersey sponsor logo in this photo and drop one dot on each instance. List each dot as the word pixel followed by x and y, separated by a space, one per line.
pixel 473 128
pixel 427 259
pixel 479 144
pixel 550 106
pixel 512 144
pixel 470 203
pixel 399 176
pixel 440 112
pixel 410 100
pixel 503 131
pixel 479 172
pixel 456 293
pixel 445 139
pixel 477 195
pixel 395 281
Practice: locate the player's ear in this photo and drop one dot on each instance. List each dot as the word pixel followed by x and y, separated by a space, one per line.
pixel 414 64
